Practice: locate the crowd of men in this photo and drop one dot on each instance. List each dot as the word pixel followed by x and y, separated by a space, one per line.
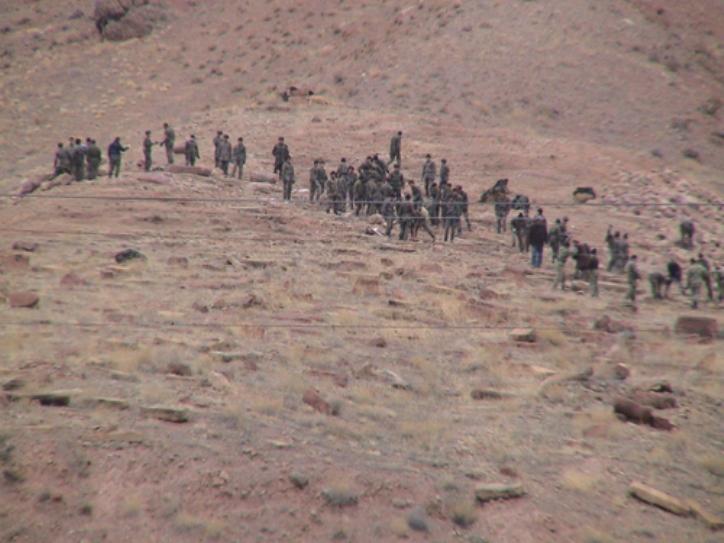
pixel 379 187
pixel 532 234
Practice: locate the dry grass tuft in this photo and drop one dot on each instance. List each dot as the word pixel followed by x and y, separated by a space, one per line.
pixel 579 481
pixel 462 512
pixel 209 528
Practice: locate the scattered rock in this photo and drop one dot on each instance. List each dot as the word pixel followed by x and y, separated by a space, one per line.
pixel 523 335
pixel 26 246
pixel 607 324
pixel 201 308
pixel 691 154
pixel 156 178
pixel 367 285
pixel 703 326
pixel 340 496
pixel 128 254
pixel 584 194
pixel 621 372
pixel 660 499
pixel 312 398
pixel 72 280
pixel 123 376
pixel 417 520
pixel 498 491
pixel 13 384
pixel 26 300
pixel 179 368
pixel 299 480
pixel 121 20
pixel 112 403
pixel 653 399
pixel 180 261
pixel 486 394
pixel 58 398
pixel 262 178
pixel 711 106
pixel 14 263
pixel 634 412
pixel 167 414
pixel 192 170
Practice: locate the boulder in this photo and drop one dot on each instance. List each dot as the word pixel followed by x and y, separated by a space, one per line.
pixel 702 326
pixel 192 170
pixel 523 335
pixel 23 299
pixel 120 20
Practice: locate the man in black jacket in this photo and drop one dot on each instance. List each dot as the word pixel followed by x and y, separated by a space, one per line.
pixel 537 237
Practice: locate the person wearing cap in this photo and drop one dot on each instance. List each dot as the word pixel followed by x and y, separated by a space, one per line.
pixel 280 152
pixel 396 149
pixel 191 150
pixel 287 173
pixel 444 173
pixel 169 140
pixel 429 172
pixel 147 150
pixel 239 158
pixel 115 151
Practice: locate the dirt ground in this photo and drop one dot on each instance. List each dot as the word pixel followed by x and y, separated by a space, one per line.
pixel 270 372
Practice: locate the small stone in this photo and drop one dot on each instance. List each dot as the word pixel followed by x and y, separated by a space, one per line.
pixel 498 491
pixel 128 254
pixel 340 496
pixel 123 376
pixel 417 520
pixel 523 335
pixel 13 384
pixel 57 398
pixel 621 372
pixel 179 368
pixel 26 300
pixel 660 499
pixel 167 414
pixel 72 280
pixel 299 480
pixel 26 246
pixel 485 394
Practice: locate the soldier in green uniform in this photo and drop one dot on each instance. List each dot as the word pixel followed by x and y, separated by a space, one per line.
pixel 147 151
pixel 61 163
pixel 696 277
pixel 288 178
pixel 563 254
pixel 632 277
pixel 239 157
pixel 169 140
pixel 94 157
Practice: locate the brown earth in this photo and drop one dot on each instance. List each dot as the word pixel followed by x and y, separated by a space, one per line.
pixel 271 373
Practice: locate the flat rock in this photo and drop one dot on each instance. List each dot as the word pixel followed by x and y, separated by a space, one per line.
pixel 498 491
pixel 55 398
pixel 192 170
pixel 660 499
pixel 702 326
pixel 166 413
pixel 23 299
pixel 14 262
pixel 27 246
pixel 128 254
pixel 111 403
pixel 523 335
pixel 72 280
pixel 262 178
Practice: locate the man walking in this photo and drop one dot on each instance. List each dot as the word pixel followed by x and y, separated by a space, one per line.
pixel 115 151
pixel 239 157
pixel 287 172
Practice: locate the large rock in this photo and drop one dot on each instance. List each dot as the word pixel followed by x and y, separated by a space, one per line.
pixel 703 326
pixel 193 170
pixel 167 414
pixel 523 335
pixel 23 299
pixel 583 194
pixel 120 20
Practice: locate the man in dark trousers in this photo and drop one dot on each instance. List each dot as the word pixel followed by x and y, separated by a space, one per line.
pixel 537 237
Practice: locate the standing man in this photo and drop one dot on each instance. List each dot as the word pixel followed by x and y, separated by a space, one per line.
pixel 217 149
pixel 560 279
pixel 61 163
pixel 429 172
pixel 537 237
pixel 519 226
pixel 696 276
pixel 94 156
pixel 147 150
pixel 397 181
pixel 444 173
pixel 281 155
pixel 314 193
pixel 225 152
pixel 191 150
pixel 287 172
pixel 502 208
pixel 115 151
pixel 592 272
pixel 169 139
pixel 396 149
pixel 239 158
pixel 632 277
pixel 77 159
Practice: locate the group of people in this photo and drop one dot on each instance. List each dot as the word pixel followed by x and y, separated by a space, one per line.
pixel 82 160
pixel 532 234
pixel 377 188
